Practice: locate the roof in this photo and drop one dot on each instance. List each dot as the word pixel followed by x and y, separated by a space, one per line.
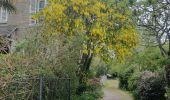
pixel 7 30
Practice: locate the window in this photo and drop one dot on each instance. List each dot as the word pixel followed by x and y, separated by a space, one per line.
pixel 41 5
pixel 35 6
pixel 3 15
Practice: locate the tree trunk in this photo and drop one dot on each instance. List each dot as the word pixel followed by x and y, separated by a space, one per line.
pixel 162 50
pixel 169 45
pixel 167 69
pixel 84 69
pixel 85 63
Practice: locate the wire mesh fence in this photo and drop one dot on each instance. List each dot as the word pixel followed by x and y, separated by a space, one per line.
pixel 41 88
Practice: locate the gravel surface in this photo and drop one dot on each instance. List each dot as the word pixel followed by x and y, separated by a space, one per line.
pixel 112 92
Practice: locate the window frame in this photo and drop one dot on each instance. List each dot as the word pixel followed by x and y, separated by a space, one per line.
pixel 36 9
pixel 3 20
pixel 32 11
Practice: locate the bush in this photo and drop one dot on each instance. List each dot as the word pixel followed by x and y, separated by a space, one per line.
pixel 38 56
pixel 123 78
pixel 93 90
pixel 114 74
pixel 132 83
pixel 151 86
pixel 101 70
pixel 89 96
pixel 168 93
pixel 93 84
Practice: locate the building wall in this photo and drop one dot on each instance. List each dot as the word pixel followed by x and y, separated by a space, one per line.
pixel 20 18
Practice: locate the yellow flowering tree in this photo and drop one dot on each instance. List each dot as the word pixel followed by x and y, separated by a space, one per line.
pixel 106 25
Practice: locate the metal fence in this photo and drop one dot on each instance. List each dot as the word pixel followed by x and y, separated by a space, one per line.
pixel 42 88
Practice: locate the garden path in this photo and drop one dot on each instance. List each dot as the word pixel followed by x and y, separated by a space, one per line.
pixel 112 92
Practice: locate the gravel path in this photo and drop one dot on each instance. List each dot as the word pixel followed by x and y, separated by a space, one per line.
pixel 112 92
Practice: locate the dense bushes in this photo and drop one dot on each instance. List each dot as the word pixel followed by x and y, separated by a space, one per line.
pixel 144 85
pixel 151 87
pixel 123 78
pixel 132 83
pixel 143 75
pixel 101 70
pixel 54 56
pixel 168 93
pixel 93 90
pixel 89 95
pixel 40 55
pixel 99 67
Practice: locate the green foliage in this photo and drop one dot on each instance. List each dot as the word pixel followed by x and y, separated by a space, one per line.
pixel 143 59
pixel 168 93
pixel 129 72
pixel 99 67
pixel 150 59
pixel 123 78
pixel 101 70
pixel 89 96
pixel 133 83
pixel 93 90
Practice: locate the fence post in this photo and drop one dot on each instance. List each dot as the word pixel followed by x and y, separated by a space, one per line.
pixel 16 94
pixel 69 89
pixel 41 87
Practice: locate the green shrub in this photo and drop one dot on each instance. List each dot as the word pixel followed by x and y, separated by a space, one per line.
pixel 151 86
pixel 89 95
pixel 168 93
pixel 114 75
pixel 132 83
pixel 123 78
pixel 38 56
pixel 101 70
pixel 93 90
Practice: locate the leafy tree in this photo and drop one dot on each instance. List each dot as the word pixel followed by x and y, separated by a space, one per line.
pixel 154 18
pixel 106 26
pixel 7 4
